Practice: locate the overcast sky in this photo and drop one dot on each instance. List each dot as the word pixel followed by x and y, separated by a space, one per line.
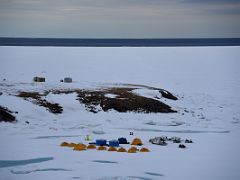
pixel 120 18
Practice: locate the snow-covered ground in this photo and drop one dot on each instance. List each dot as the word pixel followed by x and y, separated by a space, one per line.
pixel 205 79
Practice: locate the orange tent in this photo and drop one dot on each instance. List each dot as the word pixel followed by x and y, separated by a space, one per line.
pixel 137 142
pixel 80 147
pixel 64 144
pixel 121 149
pixel 132 150
pixel 112 149
pixel 102 148
pixel 91 146
pixel 72 144
pixel 144 150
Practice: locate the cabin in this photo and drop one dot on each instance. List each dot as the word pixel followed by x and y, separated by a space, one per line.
pixel 67 80
pixel 39 79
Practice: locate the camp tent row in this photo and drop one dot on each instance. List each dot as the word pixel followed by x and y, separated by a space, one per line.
pixel 83 147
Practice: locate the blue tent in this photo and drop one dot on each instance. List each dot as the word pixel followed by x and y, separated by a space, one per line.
pixel 114 143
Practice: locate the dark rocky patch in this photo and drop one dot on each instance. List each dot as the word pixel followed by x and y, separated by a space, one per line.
pixel 6 115
pixel 96 100
pixel 125 101
pixel 35 98
pixel 182 146
pixel 168 95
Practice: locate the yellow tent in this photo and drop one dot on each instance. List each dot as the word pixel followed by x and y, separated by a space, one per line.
pixel 102 148
pixel 80 147
pixel 144 150
pixel 72 144
pixel 64 144
pixel 91 146
pixel 112 149
pixel 132 150
pixel 121 149
pixel 136 142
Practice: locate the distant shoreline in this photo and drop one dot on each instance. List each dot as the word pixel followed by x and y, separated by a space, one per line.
pixel 68 42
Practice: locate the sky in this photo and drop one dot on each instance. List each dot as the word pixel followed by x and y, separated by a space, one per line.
pixel 120 18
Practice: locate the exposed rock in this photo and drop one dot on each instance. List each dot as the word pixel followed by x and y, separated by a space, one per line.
pixel 182 146
pixel 188 141
pixel 168 95
pixel 35 98
pixel 6 115
pixel 125 101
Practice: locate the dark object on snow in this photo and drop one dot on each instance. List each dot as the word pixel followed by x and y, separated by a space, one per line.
pixel 164 138
pixel 176 139
pixel 4 79
pixel 36 98
pixel 122 140
pixel 92 143
pixel 168 95
pixel 67 80
pixel 101 142
pixel 158 141
pixel 1 93
pixel 131 133
pixel 188 141
pixel 113 143
pixel 61 80
pixel 6 115
pixel 182 146
pixel 125 101
pixel 27 122
pixel 39 79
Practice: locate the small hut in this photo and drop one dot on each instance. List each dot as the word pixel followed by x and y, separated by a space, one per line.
pixel 39 79
pixel 67 80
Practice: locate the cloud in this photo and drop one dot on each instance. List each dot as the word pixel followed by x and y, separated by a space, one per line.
pixel 158 18
pixel 211 1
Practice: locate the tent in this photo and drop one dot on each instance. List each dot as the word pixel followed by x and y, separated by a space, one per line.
pixel 80 147
pixel 121 149
pixel 114 143
pixel 122 140
pixel 112 149
pixel 132 150
pixel 137 142
pixel 64 144
pixel 72 144
pixel 101 142
pixel 102 148
pixel 91 146
pixel 144 150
